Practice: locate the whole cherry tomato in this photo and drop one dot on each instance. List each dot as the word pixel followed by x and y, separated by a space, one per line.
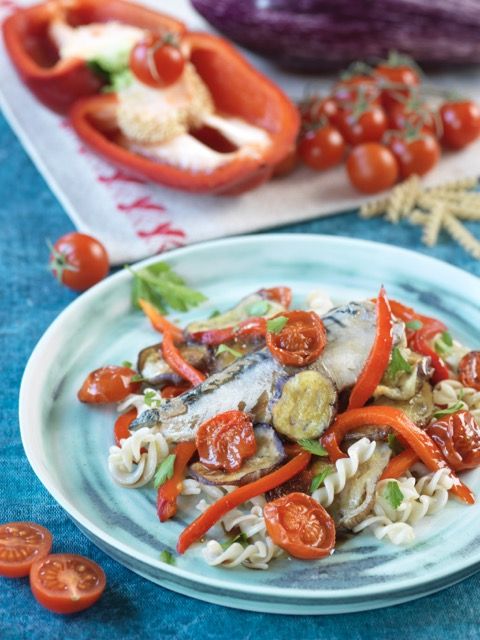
pixel 108 384
pixel 20 544
pixel 314 110
pixel 418 116
pixel 78 261
pixel 417 155
pixel 226 440
pixel 372 167
pixel 461 123
pixel 469 370
pixel 66 583
pixel 301 340
pixel 368 126
pixel 322 148
pixel 458 436
pixel 300 525
pixel 349 90
pixel 121 429
pixel 402 79
pixel 157 61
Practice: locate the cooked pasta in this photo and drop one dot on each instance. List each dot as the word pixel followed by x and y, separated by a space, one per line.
pixel 130 465
pixel 319 301
pixel 254 556
pixel 448 393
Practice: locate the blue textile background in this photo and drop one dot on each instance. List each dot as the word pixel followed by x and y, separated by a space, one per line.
pixel 131 606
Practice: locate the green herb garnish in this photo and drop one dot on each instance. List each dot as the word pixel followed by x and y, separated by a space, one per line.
pixel 215 313
pixel 397 364
pixel 318 479
pixel 127 364
pixel 259 308
pixel 163 288
pixel 167 557
pixel 151 399
pixel 444 343
pixel 137 378
pixel 449 410
pixel 164 471
pixel 447 339
pixel 313 446
pixel 393 494
pixel 394 444
pixel 414 325
pixel 223 348
pixel 242 538
pixel 275 325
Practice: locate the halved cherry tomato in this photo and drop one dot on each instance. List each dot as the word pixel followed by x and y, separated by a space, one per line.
pixel 21 543
pixel 301 341
pixel 300 525
pixel 322 148
pixel 368 126
pixel 79 261
pixel 122 423
pixel 469 370
pixel 458 436
pixel 66 583
pixel 282 295
pixel 372 167
pixel 157 61
pixel 402 79
pixel 226 440
pixel 172 391
pixel 108 384
pixel 461 123
pixel 417 155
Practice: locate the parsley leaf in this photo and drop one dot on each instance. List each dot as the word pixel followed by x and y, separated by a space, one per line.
pixel 318 479
pixel 164 471
pixel 313 446
pixel 397 364
pixel 393 494
pixel 242 538
pixel 394 444
pixel 167 557
pixel 225 348
pixel 163 288
pixel 275 325
pixel 259 308
pixel 447 338
pixel 444 343
pixel 151 399
pixel 127 363
pixel 414 325
pixel 214 314
pixel 449 410
pixel 137 378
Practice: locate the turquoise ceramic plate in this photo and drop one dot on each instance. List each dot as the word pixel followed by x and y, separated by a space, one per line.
pixel 67 443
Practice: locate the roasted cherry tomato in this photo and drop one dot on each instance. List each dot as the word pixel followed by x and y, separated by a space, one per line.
pixel 226 440
pixel 21 543
pixel 418 116
pixel 301 526
pixel 418 155
pixel 368 126
pixel 301 341
pixel 372 167
pixel 157 61
pixel 122 423
pixel 66 583
pixel 108 384
pixel 469 370
pixel 402 79
pixel 282 295
pixel 458 437
pixel 78 261
pixel 322 148
pixel 461 123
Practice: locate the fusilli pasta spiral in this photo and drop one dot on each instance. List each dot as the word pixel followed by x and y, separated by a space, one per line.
pixel 129 466
pixel 449 392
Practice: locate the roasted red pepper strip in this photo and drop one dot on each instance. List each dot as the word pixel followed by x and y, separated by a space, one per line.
pixel 232 82
pixel 418 440
pixel 400 464
pixel 176 362
pixel 169 491
pixel 159 322
pixel 249 327
pixel 59 83
pixel 282 295
pixel 203 523
pixel 122 424
pixel 378 357
pixel 174 390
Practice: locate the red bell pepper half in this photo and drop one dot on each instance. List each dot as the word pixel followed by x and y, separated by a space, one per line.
pixel 59 83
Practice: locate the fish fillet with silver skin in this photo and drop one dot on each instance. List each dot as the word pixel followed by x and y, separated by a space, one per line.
pixel 252 382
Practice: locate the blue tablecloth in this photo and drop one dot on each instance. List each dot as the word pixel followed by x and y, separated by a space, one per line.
pixel 131 606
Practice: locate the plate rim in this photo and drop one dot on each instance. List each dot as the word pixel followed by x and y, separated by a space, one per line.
pixel 321 596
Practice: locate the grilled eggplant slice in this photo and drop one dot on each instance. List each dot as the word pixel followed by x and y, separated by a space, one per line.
pixel 306 407
pixel 156 372
pixel 270 453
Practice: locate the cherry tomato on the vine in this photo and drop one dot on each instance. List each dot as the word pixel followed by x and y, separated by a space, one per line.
pixel 420 117
pixel 157 61
pixel 78 261
pixel 301 340
pixel 368 126
pixel 469 370
pixel 372 167
pixel 402 79
pixel 66 583
pixel 21 543
pixel 300 525
pixel 322 148
pixel 461 123
pixel 418 155
pixel 108 384
pixel 347 91
pixel 314 109
pixel 458 436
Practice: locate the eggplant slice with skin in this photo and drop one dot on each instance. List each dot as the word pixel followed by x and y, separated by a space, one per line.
pixel 270 453
pixel 156 372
